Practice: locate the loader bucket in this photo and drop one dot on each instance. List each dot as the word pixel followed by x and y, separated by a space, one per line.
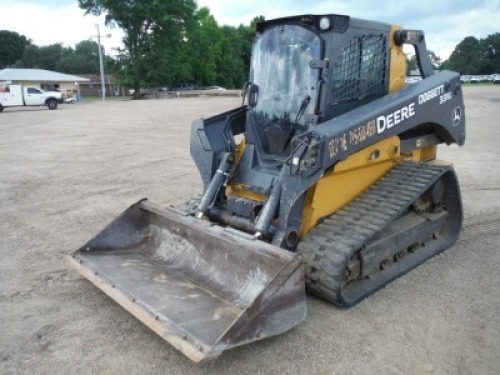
pixel 201 287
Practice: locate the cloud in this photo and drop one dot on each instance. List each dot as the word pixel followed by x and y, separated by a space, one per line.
pixel 50 24
pixel 445 22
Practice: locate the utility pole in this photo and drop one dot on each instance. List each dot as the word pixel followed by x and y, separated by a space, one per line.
pixel 101 65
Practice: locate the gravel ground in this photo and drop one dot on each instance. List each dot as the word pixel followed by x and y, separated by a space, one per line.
pixel 65 174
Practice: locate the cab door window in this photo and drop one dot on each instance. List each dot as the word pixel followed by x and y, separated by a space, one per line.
pixel 32 90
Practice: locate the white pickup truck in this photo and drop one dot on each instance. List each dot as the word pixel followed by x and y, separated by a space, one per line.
pixel 18 95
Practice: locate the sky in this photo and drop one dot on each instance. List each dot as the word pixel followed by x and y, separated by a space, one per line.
pixel 445 22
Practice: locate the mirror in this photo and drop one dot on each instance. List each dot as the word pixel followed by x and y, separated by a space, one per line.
pixel 253 95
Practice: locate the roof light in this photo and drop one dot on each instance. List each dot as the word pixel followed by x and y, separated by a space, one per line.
pixel 324 23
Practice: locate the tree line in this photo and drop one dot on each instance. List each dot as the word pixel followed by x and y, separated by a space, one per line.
pixel 165 43
pixel 476 56
pixel 472 56
pixel 169 42
pixel 17 51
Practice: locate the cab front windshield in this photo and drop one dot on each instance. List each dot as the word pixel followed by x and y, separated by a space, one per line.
pixel 280 68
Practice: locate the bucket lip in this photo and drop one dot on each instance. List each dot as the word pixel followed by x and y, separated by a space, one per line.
pixel 196 351
pixel 180 339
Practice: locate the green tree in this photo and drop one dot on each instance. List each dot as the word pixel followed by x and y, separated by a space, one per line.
pixel 45 57
pixel 30 57
pixel 84 59
pixel 50 56
pixel 149 26
pixel 247 35
pixel 231 71
pixel 490 54
pixel 466 58
pixel 204 41
pixel 12 47
pixel 412 64
pixel 435 59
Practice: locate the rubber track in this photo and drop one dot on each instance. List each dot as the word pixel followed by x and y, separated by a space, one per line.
pixel 327 249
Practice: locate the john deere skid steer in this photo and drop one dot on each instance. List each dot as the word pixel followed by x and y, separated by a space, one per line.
pixel 325 180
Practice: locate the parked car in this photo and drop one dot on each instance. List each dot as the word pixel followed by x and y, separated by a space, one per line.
pixel 465 79
pixel 496 79
pixel 183 87
pixel 412 80
pixel 475 79
pixel 216 88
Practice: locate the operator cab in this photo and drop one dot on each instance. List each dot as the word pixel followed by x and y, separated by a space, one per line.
pixel 309 69
pixel 286 85
pixel 306 70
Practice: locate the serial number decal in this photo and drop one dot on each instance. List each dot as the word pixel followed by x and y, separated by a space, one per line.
pixel 357 135
pixel 395 118
pixel 337 145
pixel 362 133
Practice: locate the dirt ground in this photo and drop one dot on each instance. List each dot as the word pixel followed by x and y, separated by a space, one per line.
pixel 65 174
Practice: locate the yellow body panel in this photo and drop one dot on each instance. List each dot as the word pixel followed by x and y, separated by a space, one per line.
pixel 423 154
pixel 397 71
pixel 349 179
pixel 240 189
pixel 353 176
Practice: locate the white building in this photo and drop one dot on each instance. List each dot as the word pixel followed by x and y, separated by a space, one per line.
pixel 44 79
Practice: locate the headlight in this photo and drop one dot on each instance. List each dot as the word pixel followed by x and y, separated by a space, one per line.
pixel 324 23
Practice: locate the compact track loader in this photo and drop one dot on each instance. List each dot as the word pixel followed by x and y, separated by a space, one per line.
pixel 325 179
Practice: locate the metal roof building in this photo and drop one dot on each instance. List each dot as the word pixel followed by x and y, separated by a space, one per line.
pixel 37 75
pixel 44 79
